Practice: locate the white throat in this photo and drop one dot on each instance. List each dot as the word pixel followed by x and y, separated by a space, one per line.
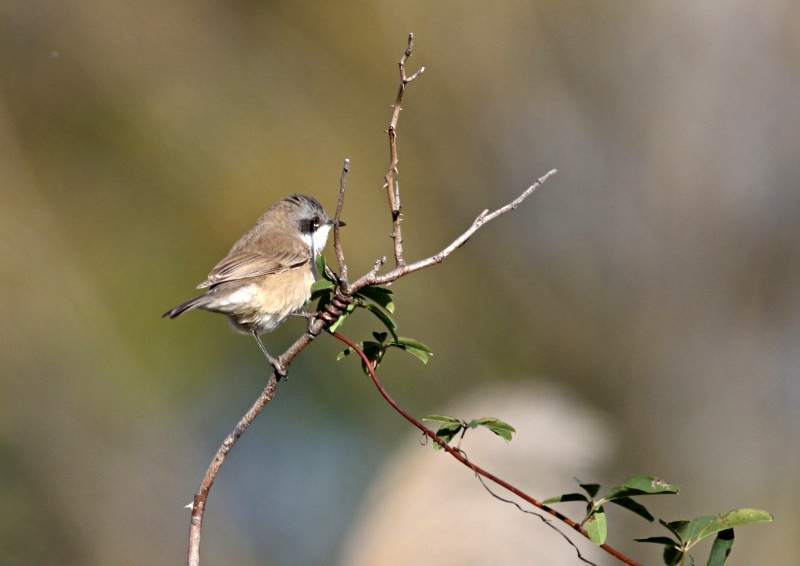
pixel 317 240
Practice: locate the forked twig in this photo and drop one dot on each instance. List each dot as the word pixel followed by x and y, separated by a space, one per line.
pixel 392 188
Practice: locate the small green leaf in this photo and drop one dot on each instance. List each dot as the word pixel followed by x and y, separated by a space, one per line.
pixel 632 505
pixel 419 354
pixel 731 519
pixel 721 548
pixel 640 485
pixel 672 549
pixel 597 527
pixel 402 341
pixel 346 352
pixel 384 317
pixel 677 528
pixel 320 264
pixel 377 294
pixel 322 290
pixel 566 497
pixel 447 431
pixel 441 419
pixel 672 555
pixel 415 348
pixel 501 429
pixel 340 321
pixel 321 284
pixel 696 526
pixel 590 488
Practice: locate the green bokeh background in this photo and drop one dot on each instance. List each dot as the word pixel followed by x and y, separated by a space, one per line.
pixel 655 277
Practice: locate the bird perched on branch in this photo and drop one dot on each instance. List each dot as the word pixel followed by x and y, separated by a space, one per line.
pixel 267 275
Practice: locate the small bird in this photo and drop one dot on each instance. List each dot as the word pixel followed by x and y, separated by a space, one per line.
pixel 267 275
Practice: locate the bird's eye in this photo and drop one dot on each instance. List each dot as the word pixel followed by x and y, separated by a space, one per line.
pixel 315 222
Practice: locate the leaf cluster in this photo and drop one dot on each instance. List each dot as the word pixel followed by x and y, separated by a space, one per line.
pixel 452 427
pixel 375 299
pixel 686 533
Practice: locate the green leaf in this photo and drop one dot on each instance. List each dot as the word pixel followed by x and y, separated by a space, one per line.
pixel 677 528
pixel 566 497
pixel 387 320
pixel 640 485
pixel 597 527
pixel 377 294
pixel 321 284
pixel 416 349
pixel 441 419
pixel 632 505
pixel 501 429
pixel 696 526
pixel 590 488
pixel 401 341
pixel 419 354
pixel 447 431
pixel 732 519
pixel 340 321
pixel 320 264
pixel 672 555
pixel 721 548
pixel 346 352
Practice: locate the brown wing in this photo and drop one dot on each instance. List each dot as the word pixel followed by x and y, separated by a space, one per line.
pixel 269 259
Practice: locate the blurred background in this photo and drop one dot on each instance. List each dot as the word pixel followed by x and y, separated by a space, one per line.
pixel 639 314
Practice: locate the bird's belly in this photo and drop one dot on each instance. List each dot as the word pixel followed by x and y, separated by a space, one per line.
pixel 262 305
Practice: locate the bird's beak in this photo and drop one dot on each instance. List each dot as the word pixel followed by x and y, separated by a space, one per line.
pixel 339 223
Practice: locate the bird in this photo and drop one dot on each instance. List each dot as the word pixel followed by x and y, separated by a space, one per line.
pixel 267 275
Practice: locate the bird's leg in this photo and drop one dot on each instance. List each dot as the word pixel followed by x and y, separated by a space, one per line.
pixel 279 369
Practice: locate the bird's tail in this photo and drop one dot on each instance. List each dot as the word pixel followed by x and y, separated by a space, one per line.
pixel 198 301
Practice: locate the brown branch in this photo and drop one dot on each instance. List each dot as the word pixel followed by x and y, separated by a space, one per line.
pixel 337 243
pixel 458 455
pixel 372 278
pixel 390 183
pixel 199 503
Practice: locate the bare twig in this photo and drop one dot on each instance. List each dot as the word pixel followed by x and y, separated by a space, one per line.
pixel 337 243
pixel 199 503
pixel 372 278
pixel 458 455
pixel 392 188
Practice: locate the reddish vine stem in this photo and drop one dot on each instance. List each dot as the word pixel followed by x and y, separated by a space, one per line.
pixel 369 364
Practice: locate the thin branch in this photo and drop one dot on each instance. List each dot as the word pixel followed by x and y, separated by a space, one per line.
pixel 199 503
pixel 337 243
pixel 390 183
pixel 369 364
pixel 372 278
